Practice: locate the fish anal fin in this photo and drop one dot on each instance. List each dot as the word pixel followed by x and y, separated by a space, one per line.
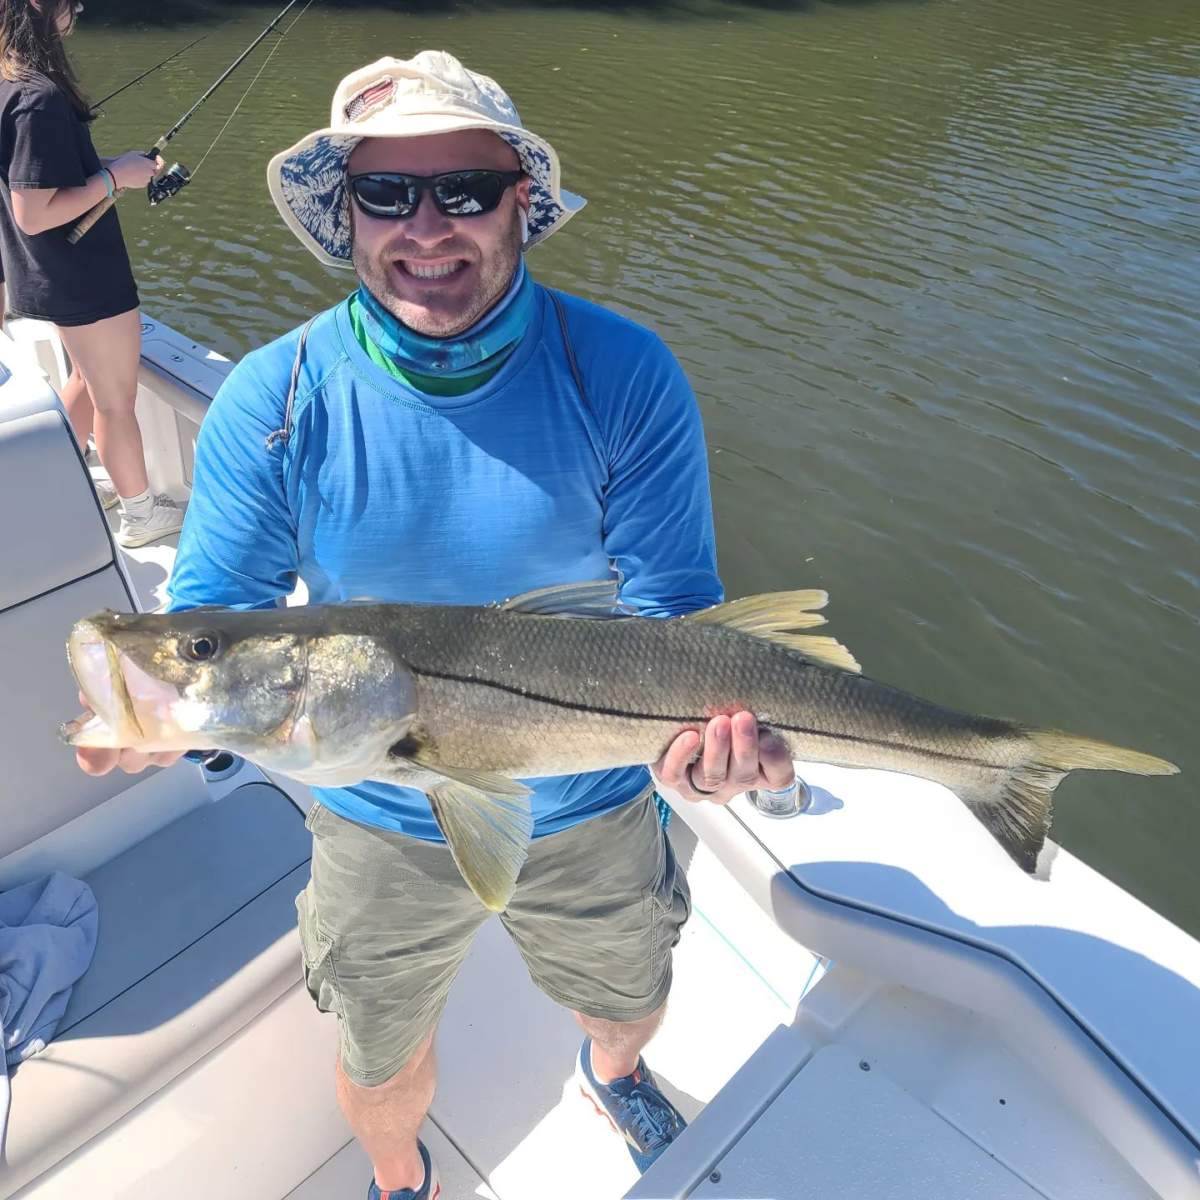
pixel 488 837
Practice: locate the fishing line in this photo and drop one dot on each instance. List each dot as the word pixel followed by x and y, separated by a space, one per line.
pixel 166 185
pixel 266 62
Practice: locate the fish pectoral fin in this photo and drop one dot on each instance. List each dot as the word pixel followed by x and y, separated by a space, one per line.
pixel 597 598
pixel 488 836
pixel 485 783
pixel 487 822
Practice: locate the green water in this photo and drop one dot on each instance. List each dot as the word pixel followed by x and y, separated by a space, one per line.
pixel 931 267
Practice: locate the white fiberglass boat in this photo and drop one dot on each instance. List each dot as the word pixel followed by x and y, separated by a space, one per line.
pixel 870 1000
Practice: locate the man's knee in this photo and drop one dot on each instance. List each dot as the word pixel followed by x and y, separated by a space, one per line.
pixel 403 1078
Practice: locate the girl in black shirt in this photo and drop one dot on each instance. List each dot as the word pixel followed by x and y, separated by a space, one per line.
pixel 50 175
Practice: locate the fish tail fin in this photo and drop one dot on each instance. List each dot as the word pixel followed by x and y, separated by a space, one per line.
pixel 1068 752
pixel 1018 815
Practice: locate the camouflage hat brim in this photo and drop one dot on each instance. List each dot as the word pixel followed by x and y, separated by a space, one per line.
pixel 308 183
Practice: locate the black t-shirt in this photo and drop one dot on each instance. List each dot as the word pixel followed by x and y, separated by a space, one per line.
pixel 44 143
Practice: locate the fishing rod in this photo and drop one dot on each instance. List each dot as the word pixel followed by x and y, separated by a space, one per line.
pixel 177 176
pixel 158 67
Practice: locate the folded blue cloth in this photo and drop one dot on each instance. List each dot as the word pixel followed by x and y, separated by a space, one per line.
pixel 47 939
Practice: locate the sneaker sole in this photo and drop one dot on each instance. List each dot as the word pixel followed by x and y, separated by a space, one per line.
pixel 586 1091
pixel 132 542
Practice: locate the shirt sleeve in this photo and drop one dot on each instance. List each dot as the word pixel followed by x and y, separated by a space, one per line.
pixel 238 547
pixel 45 146
pixel 658 522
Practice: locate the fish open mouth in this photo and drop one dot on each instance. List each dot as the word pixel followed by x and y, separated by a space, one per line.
pixel 131 708
pixel 96 666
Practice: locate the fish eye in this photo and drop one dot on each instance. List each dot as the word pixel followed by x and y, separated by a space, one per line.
pixel 200 647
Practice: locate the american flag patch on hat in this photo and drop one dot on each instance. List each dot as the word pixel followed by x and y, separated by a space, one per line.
pixel 372 97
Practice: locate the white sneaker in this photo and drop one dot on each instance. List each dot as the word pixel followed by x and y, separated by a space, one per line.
pixel 166 518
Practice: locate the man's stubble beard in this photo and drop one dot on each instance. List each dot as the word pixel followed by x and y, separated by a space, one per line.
pixel 494 277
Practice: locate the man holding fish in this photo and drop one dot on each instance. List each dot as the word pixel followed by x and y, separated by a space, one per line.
pixel 454 434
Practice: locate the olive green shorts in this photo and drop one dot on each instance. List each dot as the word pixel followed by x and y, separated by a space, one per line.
pixel 386 921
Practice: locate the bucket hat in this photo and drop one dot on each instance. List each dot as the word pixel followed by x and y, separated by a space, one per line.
pixel 432 92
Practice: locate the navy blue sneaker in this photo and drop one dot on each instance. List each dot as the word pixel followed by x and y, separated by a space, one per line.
pixel 633 1106
pixel 431 1189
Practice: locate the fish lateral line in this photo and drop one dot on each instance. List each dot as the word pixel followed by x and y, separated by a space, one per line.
pixel 625 714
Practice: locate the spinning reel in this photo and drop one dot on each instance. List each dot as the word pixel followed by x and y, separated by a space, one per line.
pixel 164 186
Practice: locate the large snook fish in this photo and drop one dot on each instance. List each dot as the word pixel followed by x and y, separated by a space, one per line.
pixel 462 702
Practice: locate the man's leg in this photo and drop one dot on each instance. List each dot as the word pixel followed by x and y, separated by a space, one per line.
pixel 385 923
pixel 596 913
pixel 387 1118
pixel 617 1045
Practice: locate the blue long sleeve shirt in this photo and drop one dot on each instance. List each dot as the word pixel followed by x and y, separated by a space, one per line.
pixel 386 493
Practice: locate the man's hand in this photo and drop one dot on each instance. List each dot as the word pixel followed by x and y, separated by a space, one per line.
pixel 94 760
pixel 732 757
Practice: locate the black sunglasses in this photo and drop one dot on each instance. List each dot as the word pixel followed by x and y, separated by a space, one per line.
pixel 456 193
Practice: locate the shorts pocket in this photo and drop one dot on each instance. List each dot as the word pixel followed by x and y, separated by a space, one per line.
pixel 316 950
pixel 670 904
pixel 312 820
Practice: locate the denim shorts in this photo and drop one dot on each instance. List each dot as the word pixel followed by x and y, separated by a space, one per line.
pixel 387 920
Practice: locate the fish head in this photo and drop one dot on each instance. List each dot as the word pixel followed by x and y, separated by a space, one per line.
pixel 181 681
pixel 294 690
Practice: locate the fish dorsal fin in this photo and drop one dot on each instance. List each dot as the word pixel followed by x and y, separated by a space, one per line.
pixel 773 616
pixel 772 612
pixel 827 651
pixel 593 598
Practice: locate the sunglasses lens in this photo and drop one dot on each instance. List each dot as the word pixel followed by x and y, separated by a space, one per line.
pixel 385 195
pixel 469 193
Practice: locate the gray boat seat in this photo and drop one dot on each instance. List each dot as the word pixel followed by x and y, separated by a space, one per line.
pixel 58 564
pixel 197 922
pixel 197 938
